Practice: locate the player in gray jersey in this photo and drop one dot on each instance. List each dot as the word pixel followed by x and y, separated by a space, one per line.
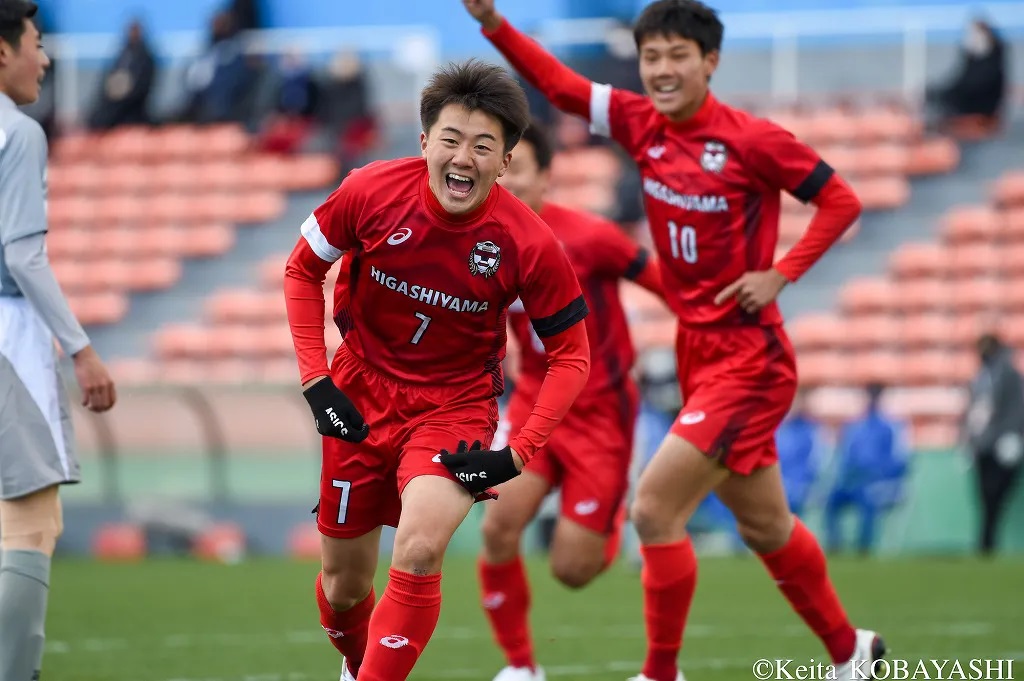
pixel 36 441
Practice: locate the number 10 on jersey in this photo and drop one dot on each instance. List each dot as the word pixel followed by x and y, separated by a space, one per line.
pixel 683 241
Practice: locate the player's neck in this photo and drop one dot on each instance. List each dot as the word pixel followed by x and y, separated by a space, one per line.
pixel 694 112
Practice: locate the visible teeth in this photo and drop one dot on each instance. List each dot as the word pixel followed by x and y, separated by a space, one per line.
pixel 666 88
pixel 461 178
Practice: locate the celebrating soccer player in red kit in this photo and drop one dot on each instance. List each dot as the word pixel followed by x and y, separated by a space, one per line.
pixel 589 454
pixel 434 255
pixel 712 182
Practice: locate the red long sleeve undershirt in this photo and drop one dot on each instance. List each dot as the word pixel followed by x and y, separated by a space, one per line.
pixel 838 208
pixel 568 351
pixel 650 278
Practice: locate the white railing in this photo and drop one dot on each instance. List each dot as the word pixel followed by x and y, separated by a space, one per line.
pixel 416 48
pixel 782 32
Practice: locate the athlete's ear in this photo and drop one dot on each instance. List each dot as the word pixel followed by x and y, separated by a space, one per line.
pixel 423 144
pixel 710 63
pixel 504 164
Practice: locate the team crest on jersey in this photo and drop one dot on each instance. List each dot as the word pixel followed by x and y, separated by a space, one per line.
pixel 485 258
pixel 714 157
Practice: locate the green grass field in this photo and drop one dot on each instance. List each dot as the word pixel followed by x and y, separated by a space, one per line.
pixel 257 621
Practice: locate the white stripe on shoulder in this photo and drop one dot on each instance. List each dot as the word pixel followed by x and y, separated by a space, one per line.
pixel 600 109
pixel 317 241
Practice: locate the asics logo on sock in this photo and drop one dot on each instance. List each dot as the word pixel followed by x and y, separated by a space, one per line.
pixel 493 601
pixel 394 641
pixel 470 477
pixel 334 633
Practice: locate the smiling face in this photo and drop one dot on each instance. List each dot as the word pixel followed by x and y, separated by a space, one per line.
pixel 22 68
pixel 465 155
pixel 675 74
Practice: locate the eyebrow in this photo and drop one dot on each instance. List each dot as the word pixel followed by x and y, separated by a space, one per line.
pixel 488 135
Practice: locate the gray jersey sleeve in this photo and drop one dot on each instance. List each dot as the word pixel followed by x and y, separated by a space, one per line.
pixel 22 180
pixel 30 268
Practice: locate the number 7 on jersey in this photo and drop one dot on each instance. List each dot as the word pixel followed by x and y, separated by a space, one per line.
pixel 424 323
pixel 683 241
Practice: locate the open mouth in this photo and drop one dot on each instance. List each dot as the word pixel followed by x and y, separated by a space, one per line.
pixel 459 185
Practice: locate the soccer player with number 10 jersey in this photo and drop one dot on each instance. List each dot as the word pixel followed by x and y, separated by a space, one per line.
pixel 712 181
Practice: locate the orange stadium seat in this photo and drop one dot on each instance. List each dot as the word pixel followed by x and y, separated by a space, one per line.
pixel 216 141
pixel 925 295
pixel 1008 190
pixel 881 160
pixel 969 223
pixel 235 305
pixel 180 341
pixel 919 260
pixel 119 542
pixel 136 371
pixel 99 308
pixel 867 294
pixel 928 329
pixel 1013 259
pixel 73 147
pixel 825 367
pixel 882 193
pixel 884 366
pixel 977 295
pixel 818 332
pixel 872 331
pixel 970 260
pixel 935 156
pixel 883 124
pixel 1013 295
pixel 1012 221
pixel 304 542
pixel 936 367
pixel 154 274
pixel 309 171
pixel 220 174
pixel 1012 329
pixel 207 240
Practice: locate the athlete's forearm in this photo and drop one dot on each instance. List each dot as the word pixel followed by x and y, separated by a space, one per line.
pixel 838 208
pixel 563 87
pixel 30 268
pixel 304 276
pixel 568 370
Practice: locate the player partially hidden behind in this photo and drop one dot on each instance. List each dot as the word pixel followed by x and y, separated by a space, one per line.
pixel 36 438
pixel 712 179
pixel 589 454
pixel 434 256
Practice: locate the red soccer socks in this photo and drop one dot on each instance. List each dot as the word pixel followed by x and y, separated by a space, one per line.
pixel 669 578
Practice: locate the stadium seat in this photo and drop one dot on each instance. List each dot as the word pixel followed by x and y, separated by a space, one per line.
pixel 222 543
pixel 935 156
pixel 977 295
pixel 1008 190
pixel 818 332
pixel 119 542
pixel 304 542
pixel 924 295
pixel 913 260
pixel 867 295
pixel 885 366
pixel 970 260
pixel 869 331
pixel 822 367
pixel 969 223
pixel 926 330
pixel 206 240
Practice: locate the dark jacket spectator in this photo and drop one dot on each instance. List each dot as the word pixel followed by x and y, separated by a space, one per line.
pixel 978 87
pixel 124 91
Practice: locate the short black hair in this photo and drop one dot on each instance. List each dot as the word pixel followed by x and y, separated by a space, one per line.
pixel 12 20
pixel 477 86
pixel 689 19
pixel 538 137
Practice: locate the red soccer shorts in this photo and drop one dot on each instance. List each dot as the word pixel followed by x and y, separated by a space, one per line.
pixel 738 384
pixel 361 484
pixel 588 455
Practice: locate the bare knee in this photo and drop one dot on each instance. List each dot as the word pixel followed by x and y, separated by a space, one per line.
pixel 419 555
pixel 345 588
pixel 32 523
pixel 576 572
pixel 656 522
pixel 501 537
pixel 766 533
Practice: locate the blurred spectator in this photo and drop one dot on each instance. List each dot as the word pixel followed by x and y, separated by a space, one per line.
pixel 247 14
pixel 346 111
pixel 799 442
pixel 124 90
pixel 977 89
pixel 872 466
pixel 290 122
pixel 220 83
pixel 993 427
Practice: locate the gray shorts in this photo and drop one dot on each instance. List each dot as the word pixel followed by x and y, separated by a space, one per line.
pixel 36 435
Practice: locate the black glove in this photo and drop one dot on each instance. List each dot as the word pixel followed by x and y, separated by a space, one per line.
pixel 334 413
pixel 477 468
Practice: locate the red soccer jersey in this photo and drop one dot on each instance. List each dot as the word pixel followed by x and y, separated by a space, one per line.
pixel 602 255
pixel 423 295
pixel 712 184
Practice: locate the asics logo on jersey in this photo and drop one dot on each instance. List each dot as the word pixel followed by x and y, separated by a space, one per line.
pixel 695 202
pixel 427 295
pixel 656 152
pixel 335 420
pixel 399 237
pixel 394 641
pixel 691 417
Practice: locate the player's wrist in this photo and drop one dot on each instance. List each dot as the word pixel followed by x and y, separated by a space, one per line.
pixel 491 22
pixel 313 381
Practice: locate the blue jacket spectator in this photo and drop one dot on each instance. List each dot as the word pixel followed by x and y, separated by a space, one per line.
pixel 799 441
pixel 872 465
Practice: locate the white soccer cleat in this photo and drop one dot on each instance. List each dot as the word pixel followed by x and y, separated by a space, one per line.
pixel 520 674
pixel 346 675
pixel 641 677
pixel 869 649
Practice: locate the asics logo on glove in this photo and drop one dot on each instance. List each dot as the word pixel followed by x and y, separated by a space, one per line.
pixel 334 414
pixel 477 468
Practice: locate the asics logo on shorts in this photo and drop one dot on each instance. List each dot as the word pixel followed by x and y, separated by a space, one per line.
pixel 399 237
pixel 394 641
pixel 437 458
pixel 587 507
pixel 691 417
